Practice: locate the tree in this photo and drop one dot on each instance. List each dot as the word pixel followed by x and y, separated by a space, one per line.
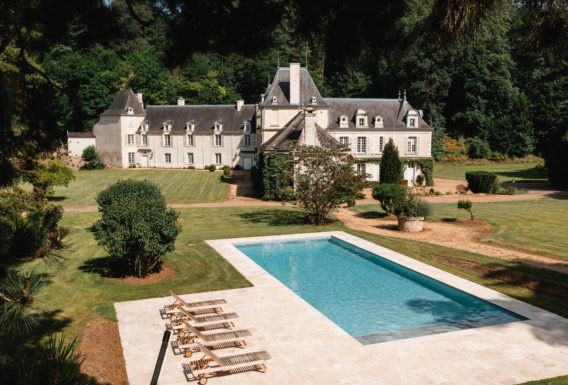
pixel 136 227
pixel 45 176
pixel 90 154
pixel 391 165
pixel 387 194
pixel 466 205
pixel 323 177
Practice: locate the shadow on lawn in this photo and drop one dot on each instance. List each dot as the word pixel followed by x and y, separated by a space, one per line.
pixel 274 217
pixel 372 215
pixel 104 266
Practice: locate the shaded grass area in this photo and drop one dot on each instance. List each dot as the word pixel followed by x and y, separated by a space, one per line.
pixel 563 380
pixel 520 172
pixel 178 186
pixel 538 226
pixel 79 292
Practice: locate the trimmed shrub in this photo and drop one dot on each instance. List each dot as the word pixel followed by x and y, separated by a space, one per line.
pixel 212 168
pixel 420 180
pixel 285 194
pixel 391 165
pixel 93 165
pixel 387 194
pixel 481 181
pixel 131 165
pixel 411 207
pixel 136 227
pixel 227 170
pixel 479 149
pixel 90 154
pixel 191 167
pixel 466 205
pixel 237 167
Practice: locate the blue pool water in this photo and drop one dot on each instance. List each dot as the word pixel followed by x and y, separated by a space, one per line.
pixel 369 297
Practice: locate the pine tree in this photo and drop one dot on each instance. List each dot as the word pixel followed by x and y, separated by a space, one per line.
pixel 391 165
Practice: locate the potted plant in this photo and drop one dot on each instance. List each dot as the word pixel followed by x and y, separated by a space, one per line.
pixel 411 212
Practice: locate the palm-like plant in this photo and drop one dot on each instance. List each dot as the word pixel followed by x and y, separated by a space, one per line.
pixel 18 314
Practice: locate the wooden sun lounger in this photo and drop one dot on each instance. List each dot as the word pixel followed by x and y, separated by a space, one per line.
pixel 221 320
pixel 187 342
pixel 179 303
pixel 234 363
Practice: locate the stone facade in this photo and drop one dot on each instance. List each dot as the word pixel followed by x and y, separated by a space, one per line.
pixel 291 109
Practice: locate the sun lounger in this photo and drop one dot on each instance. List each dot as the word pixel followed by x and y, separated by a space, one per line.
pixel 179 303
pixel 187 342
pixel 219 320
pixel 234 363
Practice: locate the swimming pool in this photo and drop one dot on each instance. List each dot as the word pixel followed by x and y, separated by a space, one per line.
pixel 371 298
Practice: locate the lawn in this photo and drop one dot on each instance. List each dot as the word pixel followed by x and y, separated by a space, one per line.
pixel 537 226
pixel 178 186
pixel 78 292
pixel 563 380
pixel 520 172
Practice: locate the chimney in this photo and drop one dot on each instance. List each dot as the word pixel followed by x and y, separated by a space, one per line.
pixel 240 104
pixel 181 101
pixel 139 97
pixel 309 133
pixel 294 83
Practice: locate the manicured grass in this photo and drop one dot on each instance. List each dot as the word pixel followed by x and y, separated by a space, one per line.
pixel 537 226
pixel 178 186
pixel 78 293
pixel 549 381
pixel 520 172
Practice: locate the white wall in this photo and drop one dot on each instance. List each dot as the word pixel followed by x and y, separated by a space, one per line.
pixel 77 145
pixel 108 140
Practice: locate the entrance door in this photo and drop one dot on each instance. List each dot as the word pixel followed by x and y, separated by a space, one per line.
pixel 248 163
pixel 144 160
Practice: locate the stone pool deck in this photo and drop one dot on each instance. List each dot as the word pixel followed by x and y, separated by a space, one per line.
pixel 308 348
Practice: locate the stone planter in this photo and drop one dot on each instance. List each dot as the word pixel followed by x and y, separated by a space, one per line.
pixel 410 224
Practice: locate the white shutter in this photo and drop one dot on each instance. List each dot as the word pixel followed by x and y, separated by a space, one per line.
pixel 162 140
pixel 222 140
pixel 213 140
pixel 185 158
pixel 138 139
pixel 406 145
pixel 417 145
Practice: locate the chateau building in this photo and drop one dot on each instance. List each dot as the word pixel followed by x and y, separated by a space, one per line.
pixel 292 108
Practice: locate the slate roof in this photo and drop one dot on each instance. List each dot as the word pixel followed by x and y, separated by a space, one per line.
pixel 123 100
pixel 203 116
pixel 292 131
pixel 392 111
pixel 80 135
pixel 280 88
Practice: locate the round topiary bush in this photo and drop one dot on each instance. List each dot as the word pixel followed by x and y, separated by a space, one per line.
pixel 481 181
pixel 212 168
pixel 226 170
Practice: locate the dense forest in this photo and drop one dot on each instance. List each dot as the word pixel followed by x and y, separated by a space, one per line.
pixel 494 71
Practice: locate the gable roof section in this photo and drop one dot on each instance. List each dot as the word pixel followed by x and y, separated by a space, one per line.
pixel 123 100
pixel 280 88
pixel 89 134
pixel 203 116
pixel 393 112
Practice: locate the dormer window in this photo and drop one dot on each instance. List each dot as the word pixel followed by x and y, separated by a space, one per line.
pixel 361 118
pixel 343 122
pixel 144 126
pixel 189 127
pixel 246 126
pixel 129 110
pixel 218 126
pixel 412 119
pixel 167 126
pixel 314 100
pixel 378 122
pixel 274 100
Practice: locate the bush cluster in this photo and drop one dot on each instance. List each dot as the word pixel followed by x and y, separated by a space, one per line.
pixel 211 167
pixel 388 194
pixel 285 194
pixel 481 181
pixel 227 170
pixel 90 154
pixel 479 149
pixel 93 165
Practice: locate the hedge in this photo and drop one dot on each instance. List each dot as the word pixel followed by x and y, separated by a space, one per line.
pixel 481 181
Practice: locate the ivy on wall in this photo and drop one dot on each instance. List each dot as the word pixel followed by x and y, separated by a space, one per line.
pixel 426 164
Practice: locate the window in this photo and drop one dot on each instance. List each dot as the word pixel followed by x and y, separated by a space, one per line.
pixel 361 168
pixel 381 143
pixel 246 126
pixel 218 159
pixel 412 123
pixel 130 139
pixel 131 158
pixel 247 140
pixel 361 122
pixel 378 122
pixel 167 141
pixel 218 140
pixel 361 144
pixel 190 157
pixel 168 158
pixel 274 100
pixel 145 140
pixel 344 140
pixel 129 110
pixel 189 140
pixel 314 100
pixel 411 145
pixel 343 122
